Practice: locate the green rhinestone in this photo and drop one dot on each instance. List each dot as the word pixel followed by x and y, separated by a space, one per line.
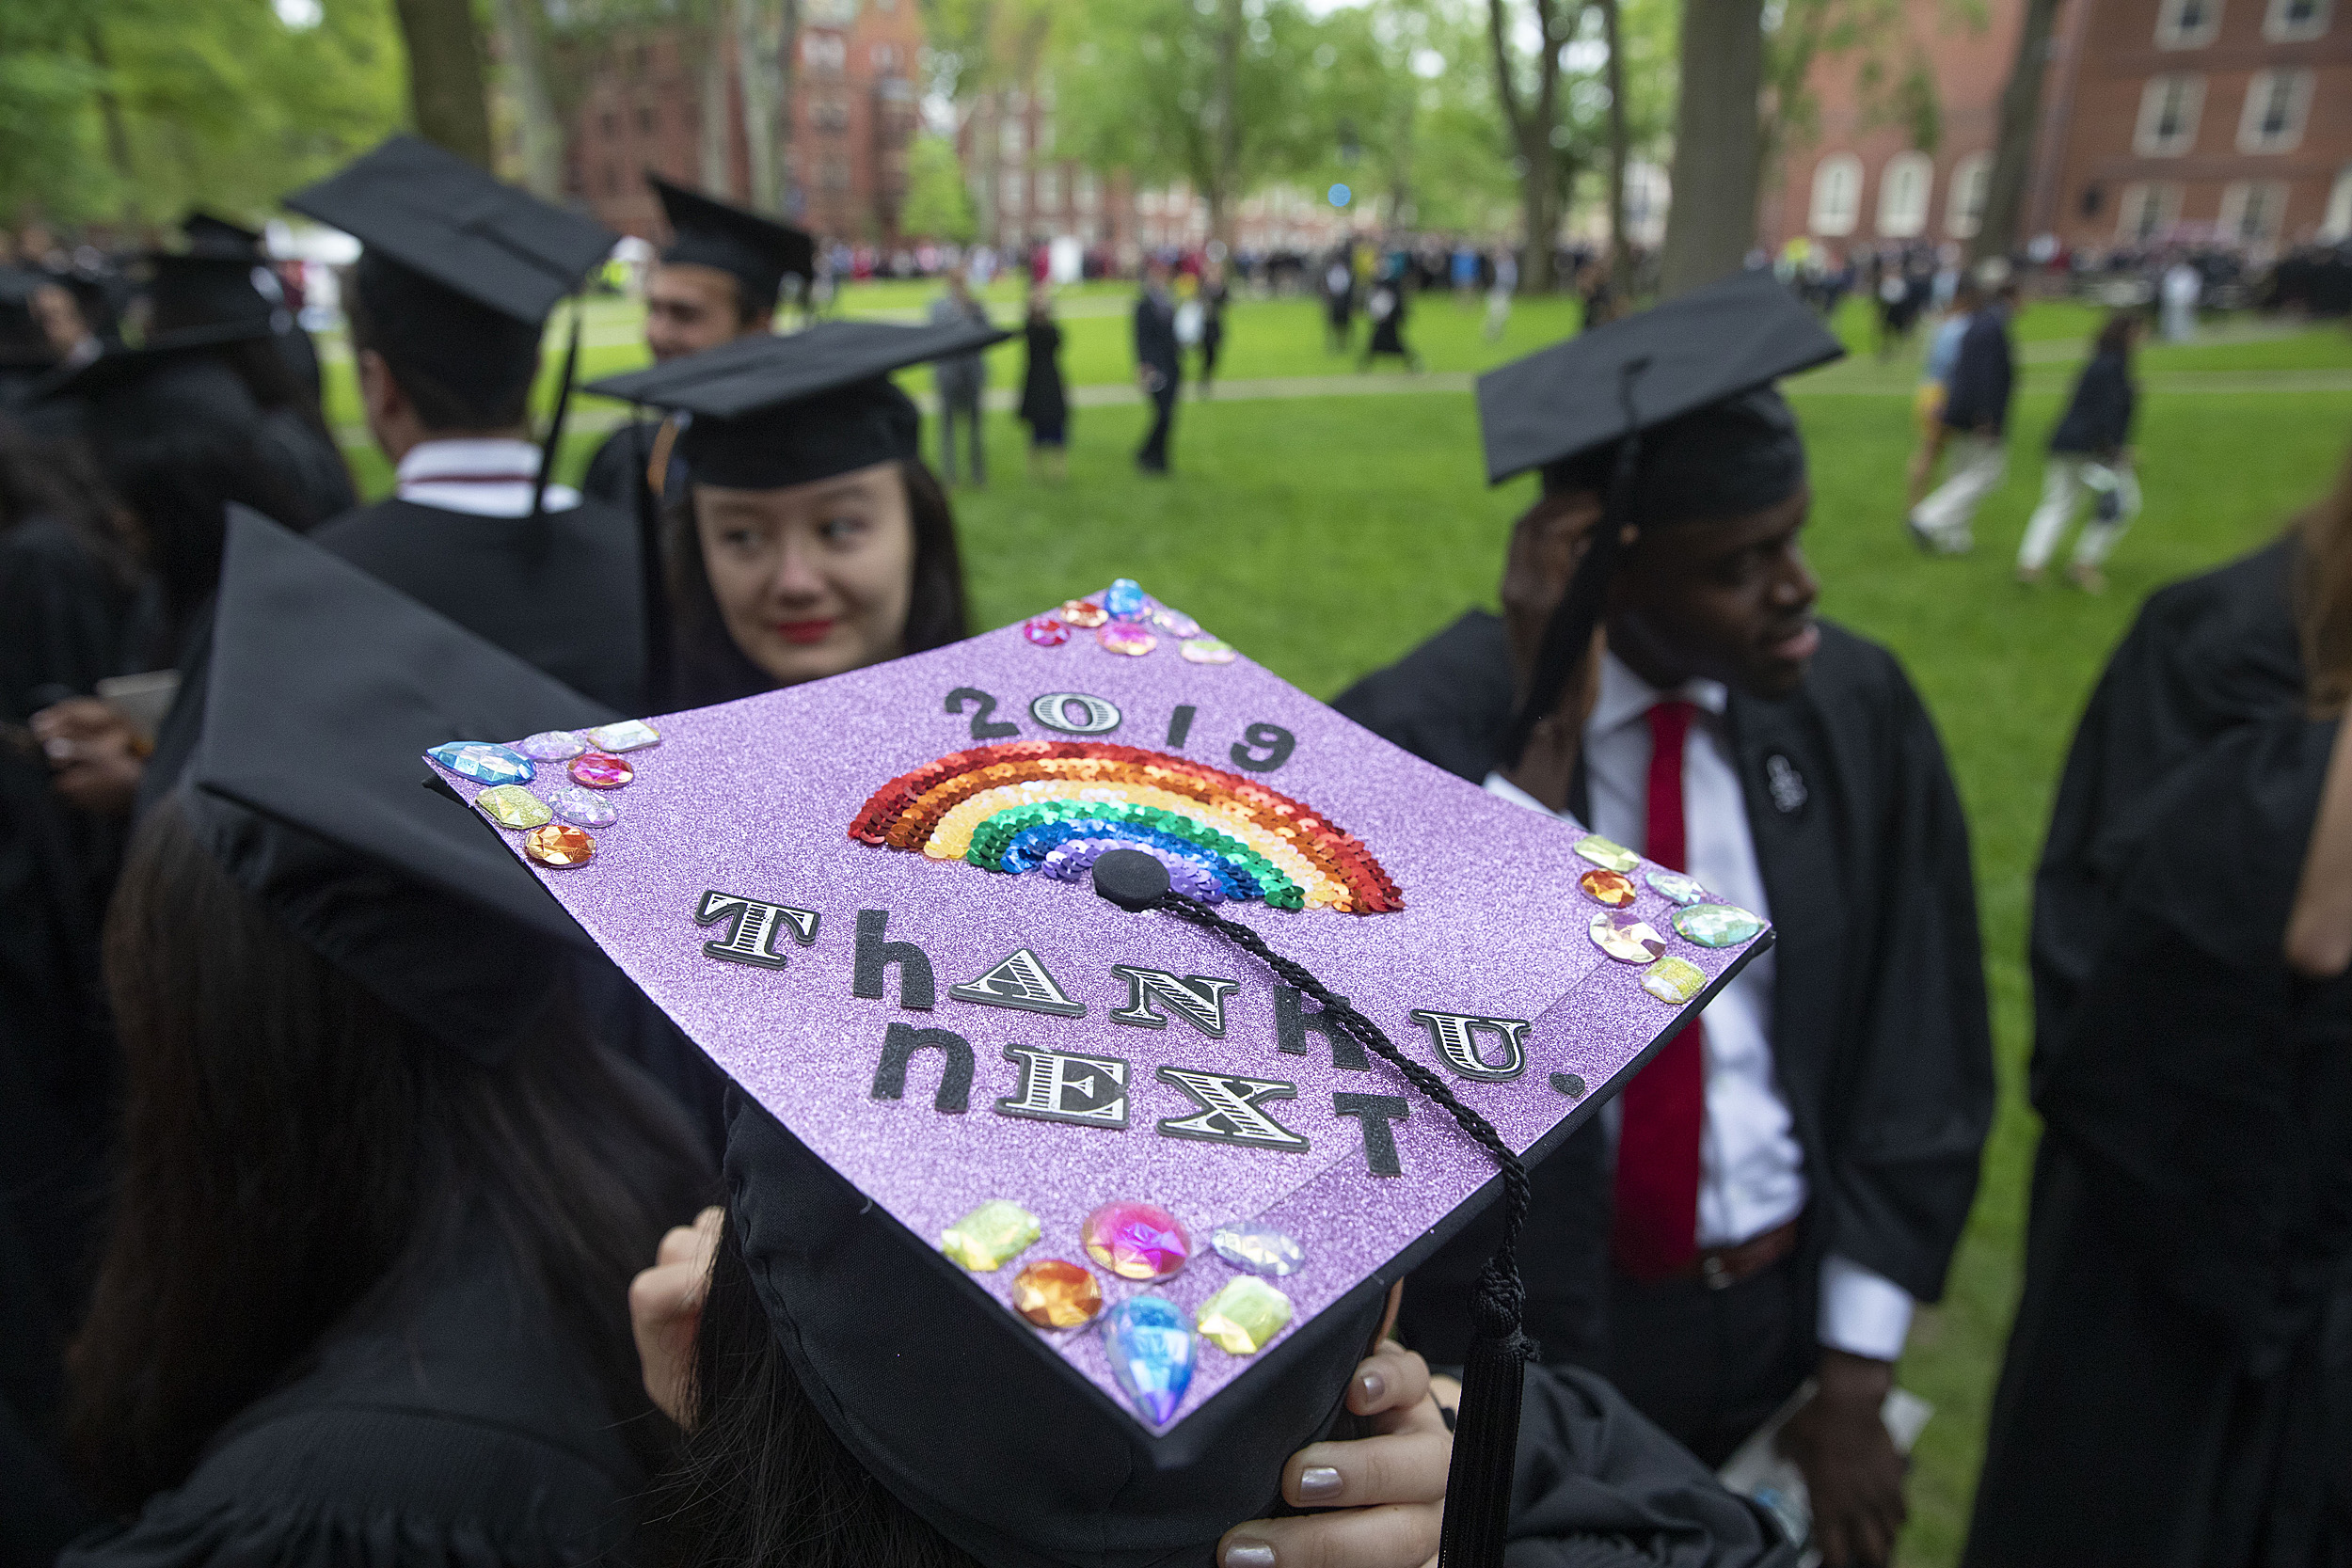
pixel 1244 1316
pixel 990 1235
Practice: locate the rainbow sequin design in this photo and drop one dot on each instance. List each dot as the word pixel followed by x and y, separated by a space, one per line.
pixel 1052 806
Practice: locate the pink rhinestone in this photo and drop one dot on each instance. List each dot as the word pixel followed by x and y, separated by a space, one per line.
pixel 602 770
pixel 1127 637
pixel 1046 631
pixel 1136 1241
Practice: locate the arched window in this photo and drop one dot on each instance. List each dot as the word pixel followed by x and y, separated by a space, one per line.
pixel 1963 206
pixel 1903 187
pixel 1836 193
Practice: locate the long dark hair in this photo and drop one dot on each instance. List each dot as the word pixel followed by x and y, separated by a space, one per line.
pixel 292 1150
pixel 761 1479
pixel 58 480
pixel 711 669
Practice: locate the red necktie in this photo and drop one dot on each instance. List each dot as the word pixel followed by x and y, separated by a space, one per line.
pixel 1665 1107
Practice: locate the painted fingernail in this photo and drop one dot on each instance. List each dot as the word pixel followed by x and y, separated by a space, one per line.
pixel 1247 1554
pixel 1371 1386
pixel 1318 1484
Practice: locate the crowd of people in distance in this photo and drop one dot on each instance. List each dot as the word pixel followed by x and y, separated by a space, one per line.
pixel 358 1208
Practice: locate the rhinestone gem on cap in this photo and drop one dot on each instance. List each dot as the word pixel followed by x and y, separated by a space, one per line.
pixel 551 746
pixel 1051 1293
pixel 1244 1316
pixel 483 762
pixel 1673 981
pixel 1125 600
pixel 1175 622
pixel 1083 613
pixel 1151 1353
pixel 583 808
pixel 1208 650
pixel 1612 888
pixel 1137 1241
pixel 1127 637
pixel 990 1236
pixel 1256 1247
pixel 560 845
pixel 1717 924
pixel 628 734
pixel 1607 853
pixel 602 770
pixel 1675 886
pixel 1628 939
pixel 511 806
pixel 1046 631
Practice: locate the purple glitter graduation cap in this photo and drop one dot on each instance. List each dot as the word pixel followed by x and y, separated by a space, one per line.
pixel 866 899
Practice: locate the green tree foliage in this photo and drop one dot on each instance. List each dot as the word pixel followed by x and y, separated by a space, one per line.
pixel 131 110
pixel 938 205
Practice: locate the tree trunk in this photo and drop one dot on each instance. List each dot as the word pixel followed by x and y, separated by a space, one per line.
pixel 1540 209
pixel 1226 164
pixel 1530 133
pixel 542 132
pixel 446 98
pixel 110 110
pixel 1620 246
pixel 1710 227
pixel 2020 126
pixel 755 45
pixel 718 170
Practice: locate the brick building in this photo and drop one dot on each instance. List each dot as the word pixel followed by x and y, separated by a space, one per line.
pixel 853 113
pixel 2196 120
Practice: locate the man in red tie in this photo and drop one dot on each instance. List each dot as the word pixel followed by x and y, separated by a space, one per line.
pixel 1784 1181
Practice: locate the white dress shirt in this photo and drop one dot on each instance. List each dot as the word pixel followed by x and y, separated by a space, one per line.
pixel 1752 1168
pixel 488 478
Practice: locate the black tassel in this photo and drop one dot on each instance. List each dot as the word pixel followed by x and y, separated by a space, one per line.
pixel 653 575
pixel 555 426
pixel 1487 1431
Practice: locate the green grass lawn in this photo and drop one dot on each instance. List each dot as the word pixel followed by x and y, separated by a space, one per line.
pixel 1327 535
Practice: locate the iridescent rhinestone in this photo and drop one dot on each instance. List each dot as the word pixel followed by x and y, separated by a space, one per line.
pixel 1055 1295
pixel 1175 622
pixel 1717 924
pixel 1607 854
pixel 1046 631
pixel 1208 650
pixel 511 806
pixel 1612 888
pixel 990 1236
pixel 602 770
pixel 1126 636
pixel 558 844
pixel 1256 1247
pixel 582 807
pixel 1673 981
pixel 485 763
pixel 1125 601
pixel 1675 886
pixel 628 734
pixel 551 746
pixel 1244 1316
pixel 1626 937
pixel 1151 1351
pixel 1084 612
pixel 1136 1241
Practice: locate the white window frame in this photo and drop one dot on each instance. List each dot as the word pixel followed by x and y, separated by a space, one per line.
pixel 2278 28
pixel 1011 191
pixel 2153 97
pixel 2337 225
pixel 1090 191
pixel 2261 89
pixel 1008 136
pixel 2132 209
pixel 2273 210
pixel 1967 194
pixel 1906 195
pixel 1048 189
pixel 2170 34
pixel 1836 204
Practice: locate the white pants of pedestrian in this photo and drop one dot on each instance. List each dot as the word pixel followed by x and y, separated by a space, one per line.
pixel 2063 486
pixel 1974 466
pixel 1497 311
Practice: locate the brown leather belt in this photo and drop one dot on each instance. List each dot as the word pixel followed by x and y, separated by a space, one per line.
pixel 1723 1267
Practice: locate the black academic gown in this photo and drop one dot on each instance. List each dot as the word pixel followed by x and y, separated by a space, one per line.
pixel 452 1426
pixel 307 461
pixel 2177 1377
pixel 1881 1040
pixel 612 473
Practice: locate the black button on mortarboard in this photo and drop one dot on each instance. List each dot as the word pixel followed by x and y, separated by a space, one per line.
pixel 1130 879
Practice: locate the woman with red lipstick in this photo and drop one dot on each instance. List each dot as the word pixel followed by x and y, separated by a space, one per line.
pixel 812 539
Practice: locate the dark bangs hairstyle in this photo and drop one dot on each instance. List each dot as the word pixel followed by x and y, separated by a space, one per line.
pixel 291 1150
pixel 709 668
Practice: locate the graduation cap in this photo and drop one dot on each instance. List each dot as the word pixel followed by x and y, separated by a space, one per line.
pixel 211 235
pixel 323 684
pixel 1076 1215
pixel 758 252
pixel 203 289
pixel 170 376
pixel 1670 414
pixel 459 270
